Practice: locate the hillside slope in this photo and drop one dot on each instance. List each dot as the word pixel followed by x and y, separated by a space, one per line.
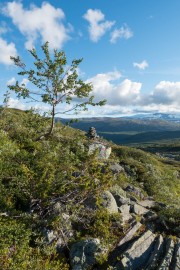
pixel 56 196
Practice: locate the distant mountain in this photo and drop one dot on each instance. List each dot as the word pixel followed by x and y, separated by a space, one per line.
pixel 138 129
pixel 166 116
pixel 126 124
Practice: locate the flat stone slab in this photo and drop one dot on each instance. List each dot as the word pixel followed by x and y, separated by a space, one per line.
pixel 176 257
pixel 165 263
pixel 156 254
pixel 130 234
pixel 136 256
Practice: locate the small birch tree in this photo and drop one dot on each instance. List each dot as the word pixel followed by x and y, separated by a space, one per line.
pixel 55 83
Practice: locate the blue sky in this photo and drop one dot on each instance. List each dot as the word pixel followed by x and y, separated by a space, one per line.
pixel 131 49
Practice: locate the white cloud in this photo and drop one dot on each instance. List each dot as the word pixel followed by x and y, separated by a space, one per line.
pixel 7 50
pixel 44 22
pixel 24 82
pixel 16 103
pixel 123 93
pixel 97 24
pixel 11 81
pixel 124 32
pixel 166 93
pixel 143 65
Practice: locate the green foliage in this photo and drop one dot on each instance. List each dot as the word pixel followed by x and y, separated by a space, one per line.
pixel 58 169
pixel 55 83
pixel 16 252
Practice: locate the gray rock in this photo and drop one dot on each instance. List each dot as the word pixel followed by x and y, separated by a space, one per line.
pixel 119 195
pixel 147 203
pixel 139 210
pixel 130 234
pixel 165 263
pixel 116 168
pixel 156 254
pixel 176 257
pixel 103 150
pixel 124 209
pixel 136 256
pixel 135 190
pixel 109 202
pixel 83 254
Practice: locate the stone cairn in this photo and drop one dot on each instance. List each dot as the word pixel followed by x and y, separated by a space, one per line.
pixel 92 134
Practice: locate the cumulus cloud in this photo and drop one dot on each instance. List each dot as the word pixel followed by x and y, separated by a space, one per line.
pixel 124 32
pixel 166 93
pixel 125 96
pixel 98 26
pixel 7 50
pixel 143 65
pixel 105 86
pixel 43 22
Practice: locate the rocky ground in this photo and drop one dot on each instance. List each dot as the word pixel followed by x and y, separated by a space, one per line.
pixel 145 242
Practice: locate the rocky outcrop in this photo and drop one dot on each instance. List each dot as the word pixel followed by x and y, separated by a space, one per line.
pixel 166 261
pixel 175 264
pixel 83 254
pixel 130 234
pixel 136 256
pixel 103 151
pixel 156 254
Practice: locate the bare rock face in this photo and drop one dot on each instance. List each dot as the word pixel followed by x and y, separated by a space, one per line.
pixel 175 264
pixel 130 234
pixel 166 261
pixel 138 253
pixel 156 254
pixel 83 254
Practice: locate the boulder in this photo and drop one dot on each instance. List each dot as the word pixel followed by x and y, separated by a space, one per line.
pixel 116 168
pixel 124 209
pixel 139 210
pixel 138 253
pixel 103 150
pixel 83 254
pixel 109 202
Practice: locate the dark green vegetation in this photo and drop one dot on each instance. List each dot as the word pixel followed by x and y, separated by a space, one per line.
pixel 34 175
